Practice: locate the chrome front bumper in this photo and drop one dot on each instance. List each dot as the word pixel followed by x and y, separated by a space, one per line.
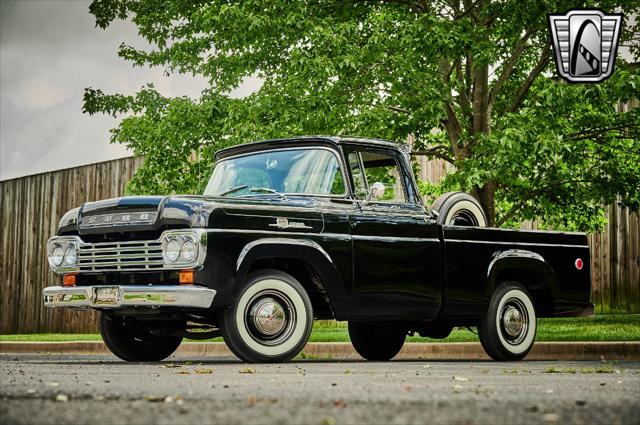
pixel 128 296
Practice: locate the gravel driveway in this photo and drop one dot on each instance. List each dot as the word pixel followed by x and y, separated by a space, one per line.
pixel 97 389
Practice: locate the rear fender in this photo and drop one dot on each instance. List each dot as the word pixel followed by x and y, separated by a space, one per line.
pixel 517 264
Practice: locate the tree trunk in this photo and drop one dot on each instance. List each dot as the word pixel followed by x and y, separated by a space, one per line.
pixel 481 118
pixel 486 196
pixel 482 125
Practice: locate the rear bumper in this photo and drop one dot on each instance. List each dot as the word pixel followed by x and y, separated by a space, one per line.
pixel 128 296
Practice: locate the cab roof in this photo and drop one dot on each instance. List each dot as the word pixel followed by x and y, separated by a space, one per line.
pixel 302 141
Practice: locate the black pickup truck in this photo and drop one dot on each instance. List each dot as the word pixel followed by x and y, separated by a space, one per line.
pixel 288 231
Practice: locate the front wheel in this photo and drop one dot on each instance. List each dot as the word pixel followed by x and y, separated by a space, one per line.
pixel 376 340
pixel 509 328
pixel 271 320
pixel 133 342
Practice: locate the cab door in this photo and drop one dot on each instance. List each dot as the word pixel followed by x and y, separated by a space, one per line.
pixel 396 250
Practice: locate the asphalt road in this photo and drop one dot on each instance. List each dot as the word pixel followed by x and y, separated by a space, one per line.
pixel 48 389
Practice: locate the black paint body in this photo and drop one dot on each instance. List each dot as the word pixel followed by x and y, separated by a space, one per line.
pixel 369 261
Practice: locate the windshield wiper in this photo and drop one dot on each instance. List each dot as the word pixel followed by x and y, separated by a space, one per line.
pixel 232 189
pixel 268 190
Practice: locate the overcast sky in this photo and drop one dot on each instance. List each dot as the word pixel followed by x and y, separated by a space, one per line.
pixel 49 52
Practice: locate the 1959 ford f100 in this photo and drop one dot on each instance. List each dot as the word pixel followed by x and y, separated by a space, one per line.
pixel 288 231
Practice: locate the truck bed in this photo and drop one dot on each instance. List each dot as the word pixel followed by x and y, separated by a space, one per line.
pixel 478 258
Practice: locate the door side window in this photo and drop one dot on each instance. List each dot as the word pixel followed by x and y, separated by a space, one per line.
pixel 359 179
pixel 381 174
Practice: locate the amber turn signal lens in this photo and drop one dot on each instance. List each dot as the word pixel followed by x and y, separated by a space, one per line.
pixel 69 280
pixel 186 277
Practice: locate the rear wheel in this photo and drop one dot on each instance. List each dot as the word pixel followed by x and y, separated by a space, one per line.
pixel 271 320
pixel 134 342
pixel 377 340
pixel 509 328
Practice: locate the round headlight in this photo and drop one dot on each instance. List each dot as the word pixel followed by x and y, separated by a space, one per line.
pixel 56 256
pixel 188 252
pixel 172 251
pixel 71 256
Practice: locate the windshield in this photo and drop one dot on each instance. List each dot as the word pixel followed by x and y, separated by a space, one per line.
pixel 291 171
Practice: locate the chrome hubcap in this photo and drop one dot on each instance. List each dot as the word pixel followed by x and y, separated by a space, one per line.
pixel 514 321
pixel 268 316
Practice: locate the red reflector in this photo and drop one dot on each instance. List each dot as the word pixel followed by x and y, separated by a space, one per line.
pixel 69 280
pixel 579 263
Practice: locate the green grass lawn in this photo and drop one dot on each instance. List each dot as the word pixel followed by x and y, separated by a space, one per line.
pixel 597 328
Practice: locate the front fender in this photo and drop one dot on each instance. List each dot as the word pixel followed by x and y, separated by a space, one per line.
pixel 297 249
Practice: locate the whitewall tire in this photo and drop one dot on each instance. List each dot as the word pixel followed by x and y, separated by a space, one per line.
pixel 271 319
pixel 508 330
pixel 133 342
pixel 459 209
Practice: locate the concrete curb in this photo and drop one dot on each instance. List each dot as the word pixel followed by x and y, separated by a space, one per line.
pixel 566 351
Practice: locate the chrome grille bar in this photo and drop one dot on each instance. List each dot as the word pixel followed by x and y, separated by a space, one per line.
pixel 117 256
pixel 137 255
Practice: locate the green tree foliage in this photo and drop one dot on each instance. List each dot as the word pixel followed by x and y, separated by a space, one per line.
pixel 472 81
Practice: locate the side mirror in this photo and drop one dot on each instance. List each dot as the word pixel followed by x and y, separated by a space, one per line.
pixel 375 191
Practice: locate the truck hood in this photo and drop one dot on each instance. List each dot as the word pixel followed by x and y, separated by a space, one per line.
pixel 144 213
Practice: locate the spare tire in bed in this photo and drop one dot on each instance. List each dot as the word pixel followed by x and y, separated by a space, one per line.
pixel 459 209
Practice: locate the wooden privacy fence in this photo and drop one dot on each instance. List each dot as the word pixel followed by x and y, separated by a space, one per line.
pixel 30 208
pixel 615 262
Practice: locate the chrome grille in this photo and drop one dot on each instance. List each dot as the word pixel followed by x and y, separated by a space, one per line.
pixel 120 256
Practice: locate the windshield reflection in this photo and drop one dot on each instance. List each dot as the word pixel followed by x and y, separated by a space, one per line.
pixel 308 171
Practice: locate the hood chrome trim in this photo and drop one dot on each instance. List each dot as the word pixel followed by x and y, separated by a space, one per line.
pixel 134 218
